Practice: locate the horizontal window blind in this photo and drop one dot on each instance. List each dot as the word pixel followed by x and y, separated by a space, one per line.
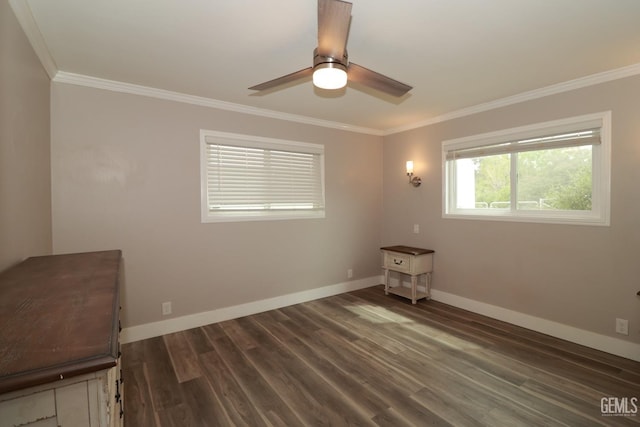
pixel 563 140
pixel 249 178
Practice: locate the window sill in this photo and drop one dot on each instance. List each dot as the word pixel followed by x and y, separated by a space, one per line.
pixel 208 217
pixel 559 218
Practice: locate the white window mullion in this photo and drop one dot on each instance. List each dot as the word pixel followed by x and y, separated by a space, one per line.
pixel 513 181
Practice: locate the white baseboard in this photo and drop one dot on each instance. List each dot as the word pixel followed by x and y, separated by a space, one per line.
pixel 579 336
pixel 155 329
pixel 569 333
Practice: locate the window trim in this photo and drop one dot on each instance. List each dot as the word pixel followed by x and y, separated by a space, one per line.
pixel 601 172
pixel 251 141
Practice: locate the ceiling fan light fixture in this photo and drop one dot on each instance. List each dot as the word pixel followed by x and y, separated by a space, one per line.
pixel 330 59
pixel 330 75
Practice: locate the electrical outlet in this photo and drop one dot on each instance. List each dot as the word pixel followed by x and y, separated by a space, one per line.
pixel 166 308
pixel 622 326
pixel 349 273
pixel 416 228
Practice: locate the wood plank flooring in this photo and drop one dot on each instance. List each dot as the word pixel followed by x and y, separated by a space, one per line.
pixel 363 358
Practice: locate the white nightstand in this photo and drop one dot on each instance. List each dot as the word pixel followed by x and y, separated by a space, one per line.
pixel 411 261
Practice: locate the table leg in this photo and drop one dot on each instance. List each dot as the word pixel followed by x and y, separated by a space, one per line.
pixel 414 289
pixel 386 281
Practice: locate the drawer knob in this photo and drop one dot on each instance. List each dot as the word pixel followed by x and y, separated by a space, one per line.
pixel 397 262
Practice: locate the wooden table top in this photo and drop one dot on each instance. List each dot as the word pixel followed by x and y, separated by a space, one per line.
pixel 58 318
pixel 407 250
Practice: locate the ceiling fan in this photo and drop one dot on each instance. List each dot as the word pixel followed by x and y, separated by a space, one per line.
pixel 331 67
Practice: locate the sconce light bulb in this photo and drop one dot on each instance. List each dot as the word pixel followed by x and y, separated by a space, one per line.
pixel 410 167
pixel 413 180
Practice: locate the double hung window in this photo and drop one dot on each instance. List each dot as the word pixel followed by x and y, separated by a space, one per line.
pixel 253 178
pixel 550 172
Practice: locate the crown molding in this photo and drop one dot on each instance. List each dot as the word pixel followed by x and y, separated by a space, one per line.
pixel 116 86
pixel 94 82
pixel 591 80
pixel 25 18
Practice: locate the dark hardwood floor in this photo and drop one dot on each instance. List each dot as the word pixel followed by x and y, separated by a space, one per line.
pixel 363 358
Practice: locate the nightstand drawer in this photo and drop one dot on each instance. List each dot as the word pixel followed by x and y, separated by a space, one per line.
pixel 407 260
pixel 397 262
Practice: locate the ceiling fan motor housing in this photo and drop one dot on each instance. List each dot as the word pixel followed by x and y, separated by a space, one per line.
pixel 325 61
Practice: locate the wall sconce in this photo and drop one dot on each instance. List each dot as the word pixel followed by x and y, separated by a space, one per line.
pixel 413 180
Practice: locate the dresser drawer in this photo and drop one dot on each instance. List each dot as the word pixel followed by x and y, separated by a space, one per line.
pixel 397 262
pixel 28 409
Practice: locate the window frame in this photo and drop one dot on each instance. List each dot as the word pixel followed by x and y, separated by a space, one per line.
pixel 601 173
pixel 251 141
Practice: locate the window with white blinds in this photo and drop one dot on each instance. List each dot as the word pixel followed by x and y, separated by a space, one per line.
pixel 557 172
pixel 562 140
pixel 253 178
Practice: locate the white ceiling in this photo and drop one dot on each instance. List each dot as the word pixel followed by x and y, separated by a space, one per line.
pixel 455 53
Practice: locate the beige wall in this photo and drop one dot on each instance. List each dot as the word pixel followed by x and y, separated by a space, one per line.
pixel 25 180
pixel 126 174
pixel 582 276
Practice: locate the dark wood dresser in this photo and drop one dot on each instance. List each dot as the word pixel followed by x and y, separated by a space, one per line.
pixel 59 348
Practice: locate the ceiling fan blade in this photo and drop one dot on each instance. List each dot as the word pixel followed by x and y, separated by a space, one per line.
pixel 364 76
pixel 334 17
pixel 283 80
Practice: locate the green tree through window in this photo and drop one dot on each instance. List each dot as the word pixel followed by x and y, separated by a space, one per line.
pixel 547 179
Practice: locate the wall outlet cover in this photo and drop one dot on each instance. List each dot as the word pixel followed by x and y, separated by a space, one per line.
pixel 622 326
pixel 166 308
